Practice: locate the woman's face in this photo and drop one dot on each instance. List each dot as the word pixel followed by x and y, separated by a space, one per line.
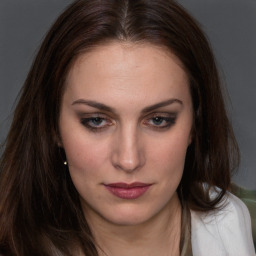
pixel 125 124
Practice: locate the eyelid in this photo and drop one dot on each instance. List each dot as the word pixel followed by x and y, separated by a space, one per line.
pixel 161 114
pixel 90 112
pixel 169 118
pixel 86 118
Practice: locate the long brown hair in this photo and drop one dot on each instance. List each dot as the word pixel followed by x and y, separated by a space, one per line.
pixel 40 212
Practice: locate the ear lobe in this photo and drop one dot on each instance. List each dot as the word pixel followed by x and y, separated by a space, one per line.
pixel 59 144
pixel 191 136
pixel 58 141
pixel 190 139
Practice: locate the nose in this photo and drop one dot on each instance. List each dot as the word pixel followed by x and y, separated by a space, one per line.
pixel 128 154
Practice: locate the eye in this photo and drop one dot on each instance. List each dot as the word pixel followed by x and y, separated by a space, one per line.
pixel 96 123
pixel 160 121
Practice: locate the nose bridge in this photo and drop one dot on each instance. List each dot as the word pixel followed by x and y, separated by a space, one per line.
pixel 128 155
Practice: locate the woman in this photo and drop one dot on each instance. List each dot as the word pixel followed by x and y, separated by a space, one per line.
pixel 120 143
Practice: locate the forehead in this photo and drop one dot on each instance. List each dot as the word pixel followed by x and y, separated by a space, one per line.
pixel 142 71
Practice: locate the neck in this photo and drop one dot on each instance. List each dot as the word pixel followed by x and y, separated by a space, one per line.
pixel 159 235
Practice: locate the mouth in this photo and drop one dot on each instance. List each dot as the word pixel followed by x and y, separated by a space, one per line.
pixel 127 191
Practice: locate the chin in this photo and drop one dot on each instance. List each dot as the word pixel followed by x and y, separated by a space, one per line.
pixel 130 215
pixel 128 220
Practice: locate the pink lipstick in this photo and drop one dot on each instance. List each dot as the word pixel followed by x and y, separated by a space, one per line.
pixel 128 191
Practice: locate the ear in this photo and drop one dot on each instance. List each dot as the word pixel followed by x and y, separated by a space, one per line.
pixel 58 141
pixel 190 139
pixel 191 135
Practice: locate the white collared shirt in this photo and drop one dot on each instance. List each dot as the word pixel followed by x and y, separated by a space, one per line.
pixel 224 232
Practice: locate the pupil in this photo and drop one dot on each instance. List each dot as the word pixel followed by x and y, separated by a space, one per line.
pixel 158 120
pixel 97 120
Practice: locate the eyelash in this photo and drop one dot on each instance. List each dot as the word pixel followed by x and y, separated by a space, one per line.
pixel 169 119
pixel 86 122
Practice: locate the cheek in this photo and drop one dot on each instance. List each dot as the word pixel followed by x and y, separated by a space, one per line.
pixel 86 162
pixel 80 146
pixel 84 155
pixel 168 158
pixel 171 151
pixel 170 166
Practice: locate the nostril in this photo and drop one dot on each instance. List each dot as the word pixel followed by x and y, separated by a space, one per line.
pixel 128 165
pixel 128 160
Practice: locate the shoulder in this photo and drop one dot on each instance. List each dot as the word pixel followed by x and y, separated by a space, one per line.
pixel 226 231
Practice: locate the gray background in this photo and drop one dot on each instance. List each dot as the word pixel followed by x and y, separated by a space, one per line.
pixel 229 24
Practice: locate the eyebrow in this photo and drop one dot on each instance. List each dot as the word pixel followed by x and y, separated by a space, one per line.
pixel 94 104
pixel 106 108
pixel 161 104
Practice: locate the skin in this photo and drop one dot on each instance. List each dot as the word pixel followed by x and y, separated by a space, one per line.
pixel 128 142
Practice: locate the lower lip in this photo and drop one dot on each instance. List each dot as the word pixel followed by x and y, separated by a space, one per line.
pixel 128 193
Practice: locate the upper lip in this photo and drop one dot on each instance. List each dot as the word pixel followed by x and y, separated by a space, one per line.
pixel 127 185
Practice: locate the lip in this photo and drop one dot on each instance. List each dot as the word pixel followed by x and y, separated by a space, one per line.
pixel 128 191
